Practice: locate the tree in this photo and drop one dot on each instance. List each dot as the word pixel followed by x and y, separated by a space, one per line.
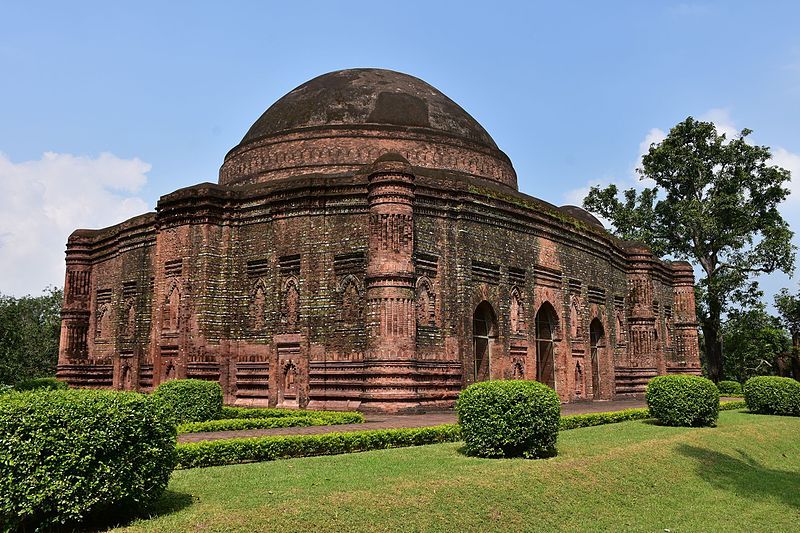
pixel 29 335
pixel 714 203
pixel 789 308
pixel 753 342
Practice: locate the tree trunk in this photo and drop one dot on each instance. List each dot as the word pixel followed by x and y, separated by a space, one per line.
pixel 712 336
pixel 713 351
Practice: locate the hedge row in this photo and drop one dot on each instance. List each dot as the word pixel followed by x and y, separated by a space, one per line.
pixel 599 419
pixel 253 449
pixel 234 424
pixel 228 413
pixel 40 384
pixel 732 405
pixel 232 451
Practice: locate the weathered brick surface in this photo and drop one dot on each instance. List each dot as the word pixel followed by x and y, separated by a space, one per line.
pixel 313 276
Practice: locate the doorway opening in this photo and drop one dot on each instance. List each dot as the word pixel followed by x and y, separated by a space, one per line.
pixel 597 341
pixel 484 332
pixel 545 347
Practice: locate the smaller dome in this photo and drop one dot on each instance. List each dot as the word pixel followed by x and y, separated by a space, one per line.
pixel 581 214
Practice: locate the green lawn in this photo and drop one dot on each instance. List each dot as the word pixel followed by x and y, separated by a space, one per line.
pixel 743 475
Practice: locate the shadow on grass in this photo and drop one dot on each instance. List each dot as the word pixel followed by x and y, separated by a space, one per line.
pixel 170 502
pixel 744 475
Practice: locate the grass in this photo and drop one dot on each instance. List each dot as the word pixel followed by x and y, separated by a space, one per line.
pixel 743 475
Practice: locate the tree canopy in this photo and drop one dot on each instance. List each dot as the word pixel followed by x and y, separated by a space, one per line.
pixel 788 306
pixel 714 202
pixel 29 335
pixel 754 342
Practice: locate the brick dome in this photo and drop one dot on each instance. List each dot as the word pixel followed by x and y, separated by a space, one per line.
pixel 366 96
pixel 338 122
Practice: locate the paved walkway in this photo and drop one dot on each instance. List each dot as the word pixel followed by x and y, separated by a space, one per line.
pixel 385 421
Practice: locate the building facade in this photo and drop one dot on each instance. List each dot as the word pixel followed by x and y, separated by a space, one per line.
pixel 366 246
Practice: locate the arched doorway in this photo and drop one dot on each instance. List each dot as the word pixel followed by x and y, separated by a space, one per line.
pixel 545 349
pixel 597 338
pixel 484 332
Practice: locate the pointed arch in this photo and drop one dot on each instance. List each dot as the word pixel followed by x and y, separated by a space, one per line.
pixel 517 311
pixel 518 371
pixel 170 372
pixel 579 381
pixel 351 299
pixel 129 318
pixel 575 319
pixel 546 328
pixel 258 306
pixel 290 309
pixel 620 327
pixel 287 386
pixel 103 321
pixel 668 332
pixel 484 332
pixel 126 377
pixel 425 302
pixel 171 315
pixel 597 342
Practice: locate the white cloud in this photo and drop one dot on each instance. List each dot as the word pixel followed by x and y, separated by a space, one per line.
pixel 43 201
pixel 654 136
pixel 790 209
pixel 722 120
pixel 791 162
pixel 631 180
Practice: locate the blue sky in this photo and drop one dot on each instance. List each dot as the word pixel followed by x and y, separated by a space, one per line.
pixel 105 106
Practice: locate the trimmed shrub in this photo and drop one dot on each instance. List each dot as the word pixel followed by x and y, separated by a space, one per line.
pixel 191 400
pixel 511 418
pixel 732 405
pixel 772 395
pixel 729 388
pixel 235 424
pixel 599 419
pixel 269 412
pixel 40 384
pixel 233 451
pixel 680 400
pixel 74 454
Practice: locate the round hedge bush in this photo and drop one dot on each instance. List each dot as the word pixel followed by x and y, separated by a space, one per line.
pixel 729 388
pixel 40 384
pixel 75 454
pixel 773 395
pixel 683 400
pixel 509 419
pixel 191 400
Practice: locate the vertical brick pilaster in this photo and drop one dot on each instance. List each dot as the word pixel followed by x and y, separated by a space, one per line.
pixel 391 324
pixel 643 341
pixel 687 349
